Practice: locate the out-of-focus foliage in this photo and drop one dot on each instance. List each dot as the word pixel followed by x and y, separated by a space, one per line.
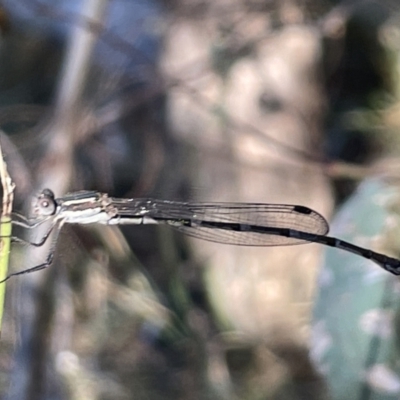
pixel 354 334
pixel 355 338
pixel 231 96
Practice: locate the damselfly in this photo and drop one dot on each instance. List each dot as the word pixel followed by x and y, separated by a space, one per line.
pixel 246 224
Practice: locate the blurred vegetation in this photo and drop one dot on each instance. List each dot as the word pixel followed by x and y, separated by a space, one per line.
pixel 137 312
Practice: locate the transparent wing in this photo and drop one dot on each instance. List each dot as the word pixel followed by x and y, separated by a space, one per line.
pixel 236 222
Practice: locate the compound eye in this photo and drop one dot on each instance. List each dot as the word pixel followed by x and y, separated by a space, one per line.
pixel 45 204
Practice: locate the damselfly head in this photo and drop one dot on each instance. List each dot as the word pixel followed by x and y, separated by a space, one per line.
pixel 45 204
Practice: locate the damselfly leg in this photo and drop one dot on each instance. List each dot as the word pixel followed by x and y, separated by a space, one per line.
pixel 56 227
pixel 16 239
pixel 27 223
pixel 42 241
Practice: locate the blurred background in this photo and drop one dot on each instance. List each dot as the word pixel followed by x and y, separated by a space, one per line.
pixel 290 101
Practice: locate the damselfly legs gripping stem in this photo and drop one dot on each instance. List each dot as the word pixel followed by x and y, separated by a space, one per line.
pixel 244 224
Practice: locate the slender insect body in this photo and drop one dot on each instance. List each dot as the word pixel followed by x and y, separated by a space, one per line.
pixel 228 223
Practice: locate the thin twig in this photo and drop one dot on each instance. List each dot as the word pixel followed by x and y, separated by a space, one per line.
pixel 5 227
